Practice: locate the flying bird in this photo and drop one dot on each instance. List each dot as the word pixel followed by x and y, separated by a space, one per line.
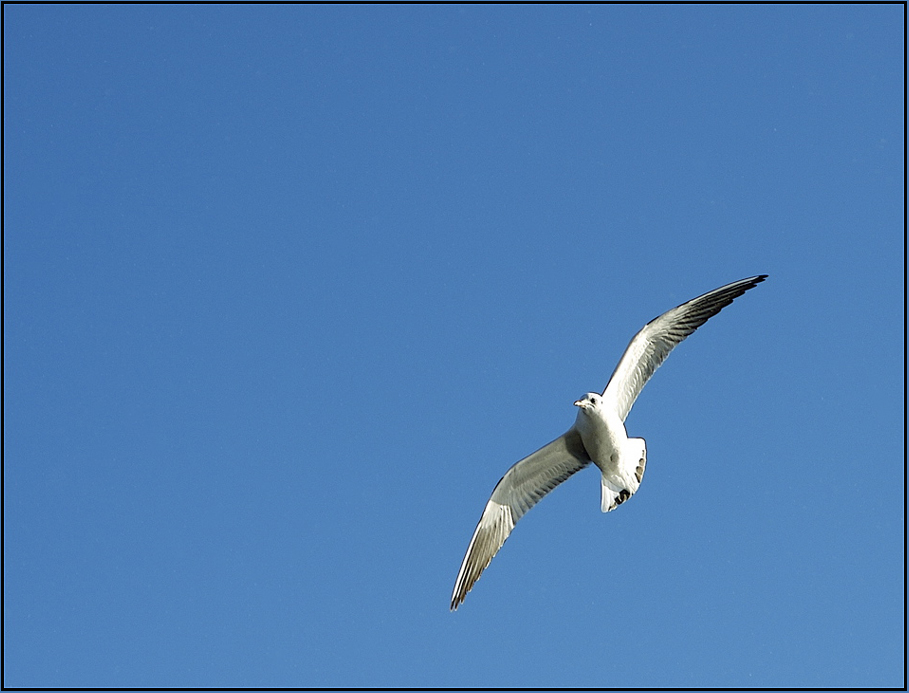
pixel 598 435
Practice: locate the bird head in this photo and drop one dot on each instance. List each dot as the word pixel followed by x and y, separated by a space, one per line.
pixel 589 401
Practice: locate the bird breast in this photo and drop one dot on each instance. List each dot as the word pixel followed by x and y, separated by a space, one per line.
pixel 601 434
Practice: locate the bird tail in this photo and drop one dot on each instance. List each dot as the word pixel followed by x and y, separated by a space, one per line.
pixel 631 473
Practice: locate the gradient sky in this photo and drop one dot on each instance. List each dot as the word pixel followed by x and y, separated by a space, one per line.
pixel 287 289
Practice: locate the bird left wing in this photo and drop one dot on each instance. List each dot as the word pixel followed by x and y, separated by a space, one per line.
pixel 518 491
pixel 650 347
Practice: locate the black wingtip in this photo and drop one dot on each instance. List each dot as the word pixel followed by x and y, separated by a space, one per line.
pixel 751 282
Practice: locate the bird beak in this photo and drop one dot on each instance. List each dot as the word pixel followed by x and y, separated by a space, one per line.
pixel 579 403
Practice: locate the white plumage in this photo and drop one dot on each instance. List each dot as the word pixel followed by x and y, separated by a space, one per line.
pixel 598 435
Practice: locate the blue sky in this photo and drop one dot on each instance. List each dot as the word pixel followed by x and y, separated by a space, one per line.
pixel 287 289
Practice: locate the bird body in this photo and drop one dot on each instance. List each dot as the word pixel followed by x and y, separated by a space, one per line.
pixel 620 459
pixel 598 435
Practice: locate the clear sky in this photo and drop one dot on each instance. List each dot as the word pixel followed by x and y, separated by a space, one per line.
pixel 287 289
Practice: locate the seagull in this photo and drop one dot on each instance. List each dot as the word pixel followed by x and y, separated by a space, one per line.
pixel 598 435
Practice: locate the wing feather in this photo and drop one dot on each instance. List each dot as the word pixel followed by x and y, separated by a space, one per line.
pixel 518 491
pixel 657 338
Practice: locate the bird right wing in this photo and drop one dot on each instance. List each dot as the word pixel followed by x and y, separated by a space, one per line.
pixel 650 347
pixel 518 491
